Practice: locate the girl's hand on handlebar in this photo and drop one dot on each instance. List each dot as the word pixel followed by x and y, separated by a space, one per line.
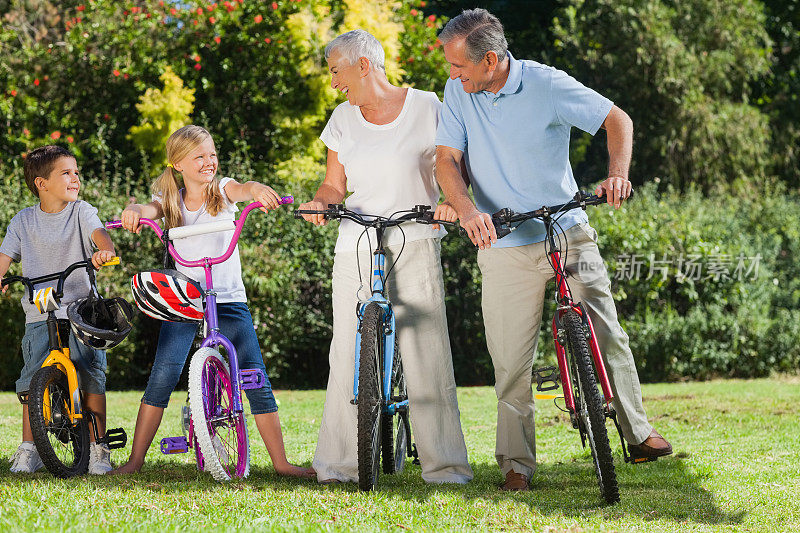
pixel 130 219
pixel 616 189
pixel 100 257
pixel 313 205
pixel 267 196
pixel 445 212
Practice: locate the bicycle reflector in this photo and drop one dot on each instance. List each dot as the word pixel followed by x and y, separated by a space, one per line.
pixel 168 295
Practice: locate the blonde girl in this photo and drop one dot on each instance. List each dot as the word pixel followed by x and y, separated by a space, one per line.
pixel 188 192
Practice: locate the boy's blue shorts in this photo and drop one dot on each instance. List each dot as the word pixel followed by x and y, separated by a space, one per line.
pixel 90 363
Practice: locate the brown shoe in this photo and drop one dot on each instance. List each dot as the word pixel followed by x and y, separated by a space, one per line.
pixel 653 446
pixel 515 482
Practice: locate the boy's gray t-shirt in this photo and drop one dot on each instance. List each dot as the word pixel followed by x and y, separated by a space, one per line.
pixel 47 243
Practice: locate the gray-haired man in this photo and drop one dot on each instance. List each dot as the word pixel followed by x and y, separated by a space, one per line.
pixel 509 122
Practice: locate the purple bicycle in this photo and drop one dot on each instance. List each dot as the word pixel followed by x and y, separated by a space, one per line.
pixel 214 422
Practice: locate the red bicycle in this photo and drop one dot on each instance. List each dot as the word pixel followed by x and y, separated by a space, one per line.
pixel 580 366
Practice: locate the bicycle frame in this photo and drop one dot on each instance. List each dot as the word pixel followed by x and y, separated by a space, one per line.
pixel 389 329
pixel 214 338
pixel 565 302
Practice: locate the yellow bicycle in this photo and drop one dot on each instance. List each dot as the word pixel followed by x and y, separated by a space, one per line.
pixel 59 421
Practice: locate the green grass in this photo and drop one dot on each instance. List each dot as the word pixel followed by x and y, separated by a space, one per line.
pixel 736 467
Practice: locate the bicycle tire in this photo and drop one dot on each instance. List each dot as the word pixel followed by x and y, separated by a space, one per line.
pixel 62 445
pixel 221 435
pixel 403 428
pixel 370 399
pixel 589 404
pixel 387 424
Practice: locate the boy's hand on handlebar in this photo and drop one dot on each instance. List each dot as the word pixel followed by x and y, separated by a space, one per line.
pixel 313 205
pixel 479 228
pixel 267 196
pixel 445 212
pixel 616 189
pixel 130 219
pixel 100 257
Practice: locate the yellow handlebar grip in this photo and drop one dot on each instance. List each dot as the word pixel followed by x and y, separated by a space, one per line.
pixel 113 261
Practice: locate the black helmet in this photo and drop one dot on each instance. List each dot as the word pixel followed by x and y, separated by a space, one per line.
pixel 100 323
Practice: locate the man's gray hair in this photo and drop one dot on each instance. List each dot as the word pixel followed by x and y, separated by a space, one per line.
pixel 356 44
pixel 482 33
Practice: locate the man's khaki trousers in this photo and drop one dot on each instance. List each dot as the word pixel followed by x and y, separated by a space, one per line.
pixel 514 281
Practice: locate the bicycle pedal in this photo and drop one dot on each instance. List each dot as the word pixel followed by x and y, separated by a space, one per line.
pixel 174 445
pixel 252 378
pixel 115 438
pixel 414 454
pixel 545 375
pixel 636 459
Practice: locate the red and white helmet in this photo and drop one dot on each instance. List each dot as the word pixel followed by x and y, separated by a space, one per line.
pixel 168 295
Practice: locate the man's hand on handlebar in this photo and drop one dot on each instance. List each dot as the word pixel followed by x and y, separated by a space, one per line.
pixel 616 189
pixel 479 228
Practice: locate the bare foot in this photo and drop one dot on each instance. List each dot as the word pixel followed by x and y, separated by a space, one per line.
pixel 295 471
pixel 127 468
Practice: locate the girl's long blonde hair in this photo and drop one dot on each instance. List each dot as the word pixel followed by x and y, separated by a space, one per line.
pixel 169 183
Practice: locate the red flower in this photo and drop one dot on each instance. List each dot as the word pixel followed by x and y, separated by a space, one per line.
pixel 196 58
pixel 258 19
pixel 199 10
pixel 422 4
pixel 46 78
pixel 197 66
pixel 81 8
pixel 212 20
pixel 432 18
pixel 267 40
pixel 194 22
pixel 173 11
pixel 55 135
pixel 26 131
pixel 274 5
pixel 125 76
pixel 217 40
pixel 115 73
pixel 70 139
pixel 410 59
pixel 13 92
pixel 78 20
pixel 106 117
pixel 414 12
pixel 36 82
pixel 24 155
pixel 161 3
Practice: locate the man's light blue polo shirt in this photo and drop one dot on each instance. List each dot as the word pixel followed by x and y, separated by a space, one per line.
pixel 516 142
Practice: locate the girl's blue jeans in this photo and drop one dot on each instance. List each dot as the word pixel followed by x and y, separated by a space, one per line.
pixel 175 341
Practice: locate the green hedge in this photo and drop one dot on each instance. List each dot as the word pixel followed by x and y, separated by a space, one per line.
pixel 679 328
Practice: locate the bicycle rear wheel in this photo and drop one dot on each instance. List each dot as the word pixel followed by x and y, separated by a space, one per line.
pixel 62 445
pixel 398 394
pixel 589 407
pixel 370 397
pixel 221 433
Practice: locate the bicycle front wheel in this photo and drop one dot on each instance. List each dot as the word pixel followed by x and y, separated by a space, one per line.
pixel 589 407
pixel 370 397
pixel 62 445
pixel 221 433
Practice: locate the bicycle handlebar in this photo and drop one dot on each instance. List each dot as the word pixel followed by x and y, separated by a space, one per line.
pixel 182 232
pixel 422 214
pixel 60 276
pixel 505 216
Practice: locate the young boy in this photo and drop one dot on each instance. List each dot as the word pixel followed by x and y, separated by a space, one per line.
pixel 46 238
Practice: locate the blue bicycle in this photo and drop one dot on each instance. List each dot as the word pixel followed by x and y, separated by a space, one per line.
pixel 379 386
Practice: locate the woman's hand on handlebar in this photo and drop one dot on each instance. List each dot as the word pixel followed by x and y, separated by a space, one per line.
pixel 616 189
pixel 444 212
pixel 316 219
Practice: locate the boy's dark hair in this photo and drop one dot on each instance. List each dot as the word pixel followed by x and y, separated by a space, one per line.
pixel 39 162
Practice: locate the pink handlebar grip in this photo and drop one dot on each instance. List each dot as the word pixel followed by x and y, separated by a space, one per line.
pixel 114 224
pixel 286 200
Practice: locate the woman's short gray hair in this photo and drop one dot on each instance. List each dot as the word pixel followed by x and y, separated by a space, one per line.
pixel 356 44
pixel 482 33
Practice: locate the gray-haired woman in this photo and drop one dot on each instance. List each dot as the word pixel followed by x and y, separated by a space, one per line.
pixel 380 148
